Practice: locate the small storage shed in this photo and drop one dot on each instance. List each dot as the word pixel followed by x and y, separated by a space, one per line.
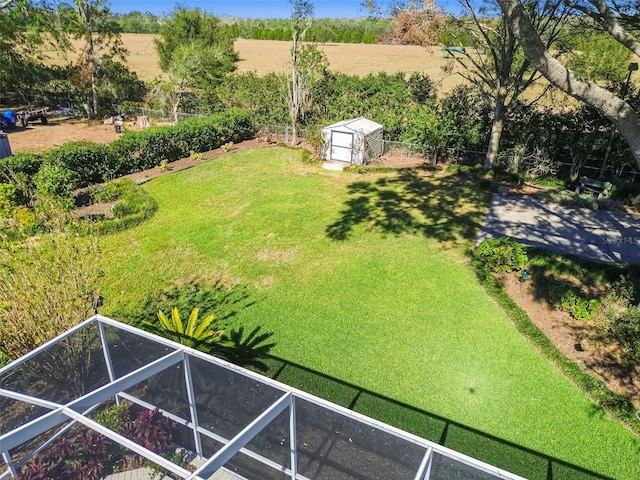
pixel 356 141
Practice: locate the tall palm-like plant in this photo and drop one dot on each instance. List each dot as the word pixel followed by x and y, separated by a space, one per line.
pixel 195 333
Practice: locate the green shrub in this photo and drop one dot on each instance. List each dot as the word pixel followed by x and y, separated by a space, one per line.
pixel 621 319
pixel 26 220
pixel 90 161
pixel 113 417
pixel 626 329
pixel 7 199
pixel 149 148
pixel 547 181
pixel 617 406
pixel 19 169
pixel 134 206
pixel 104 192
pixel 502 254
pixel 55 180
pixel 577 305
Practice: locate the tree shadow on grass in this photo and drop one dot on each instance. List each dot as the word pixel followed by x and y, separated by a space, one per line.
pixel 475 443
pixel 448 209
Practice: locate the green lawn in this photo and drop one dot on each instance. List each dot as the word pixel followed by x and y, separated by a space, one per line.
pixel 364 278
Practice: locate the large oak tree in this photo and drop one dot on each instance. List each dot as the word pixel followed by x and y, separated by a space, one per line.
pixel 611 18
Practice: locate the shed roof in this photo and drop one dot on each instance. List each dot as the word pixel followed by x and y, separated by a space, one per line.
pixel 360 125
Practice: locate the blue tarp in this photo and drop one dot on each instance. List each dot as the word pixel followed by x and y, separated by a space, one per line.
pixel 10 118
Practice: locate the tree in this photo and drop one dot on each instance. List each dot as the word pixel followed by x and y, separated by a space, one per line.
pixel 196 52
pixel 193 27
pixel 498 65
pixel 609 104
pixel 311 68
pixel 419 23
pixel 194 69
pixel 21 43
pixel 92 21
pixel 297 98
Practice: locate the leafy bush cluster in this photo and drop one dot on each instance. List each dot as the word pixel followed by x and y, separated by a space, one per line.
pixel 135 151
pixel 7 199
pixel 88 455
pixel 616 405
pixel 105 192
pixel 502 254
pixel 619 316
pixel 576 304
pixel 19 170
pixel 29 183
pixel 133 206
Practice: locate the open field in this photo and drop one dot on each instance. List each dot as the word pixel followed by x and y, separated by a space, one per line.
pixel 362 278
pixel 264 56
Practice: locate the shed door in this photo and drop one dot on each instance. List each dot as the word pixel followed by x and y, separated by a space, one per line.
pixel 341 146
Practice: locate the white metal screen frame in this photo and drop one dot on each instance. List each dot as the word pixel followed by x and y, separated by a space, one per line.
pixel 77 410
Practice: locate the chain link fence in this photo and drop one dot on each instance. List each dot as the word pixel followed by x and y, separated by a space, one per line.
pixel 156 115
pixel 280 133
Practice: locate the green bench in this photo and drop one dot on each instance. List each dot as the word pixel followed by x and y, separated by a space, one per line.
pixel 595 187
pixel 452 50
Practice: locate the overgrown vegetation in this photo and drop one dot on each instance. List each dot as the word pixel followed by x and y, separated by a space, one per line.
pixel 132 206
pixel 47 284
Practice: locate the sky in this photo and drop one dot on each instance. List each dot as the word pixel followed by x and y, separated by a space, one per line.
pixel 243 8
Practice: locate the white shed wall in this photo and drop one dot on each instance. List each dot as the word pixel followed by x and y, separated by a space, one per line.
pixel 344 142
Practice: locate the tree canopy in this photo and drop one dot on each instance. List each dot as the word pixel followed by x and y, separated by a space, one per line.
pixel 612 18
pixel 193 27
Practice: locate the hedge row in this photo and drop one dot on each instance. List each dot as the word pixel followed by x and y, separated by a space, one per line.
pixel 134 151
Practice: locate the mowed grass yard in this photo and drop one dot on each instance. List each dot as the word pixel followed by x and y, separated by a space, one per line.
pixel 364 278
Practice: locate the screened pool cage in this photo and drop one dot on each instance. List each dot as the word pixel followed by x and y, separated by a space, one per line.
pixel 227 422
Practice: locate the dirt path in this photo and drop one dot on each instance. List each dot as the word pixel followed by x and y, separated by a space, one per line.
pixel 38 138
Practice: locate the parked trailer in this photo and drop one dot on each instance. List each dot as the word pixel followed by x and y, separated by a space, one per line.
pixel 32 114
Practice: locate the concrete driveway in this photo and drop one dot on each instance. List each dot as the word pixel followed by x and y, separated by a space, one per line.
pixel 594 235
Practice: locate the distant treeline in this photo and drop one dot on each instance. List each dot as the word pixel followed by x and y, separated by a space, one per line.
pixel 322 30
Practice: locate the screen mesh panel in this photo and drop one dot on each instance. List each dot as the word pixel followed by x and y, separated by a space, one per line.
pixel 64 371
pixel 333 446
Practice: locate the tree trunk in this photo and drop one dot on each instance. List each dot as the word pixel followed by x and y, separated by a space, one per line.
pixel 496 132
pixel 90 55
pixel 93 68
pixel 619 112
pixel 294 108
pixel 94 89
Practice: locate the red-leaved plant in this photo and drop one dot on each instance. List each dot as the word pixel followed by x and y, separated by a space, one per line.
pixel 81 456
